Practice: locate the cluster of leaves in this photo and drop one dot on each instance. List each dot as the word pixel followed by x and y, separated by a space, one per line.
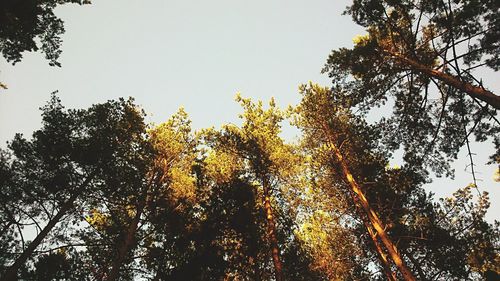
pixel 31 26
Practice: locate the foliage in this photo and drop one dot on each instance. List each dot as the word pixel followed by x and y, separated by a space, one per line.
pixel 77 157
pixel 429 235
pixel 167 203
pixel 114 199
pixel 416 57
pixel 96 194
pixel 31 25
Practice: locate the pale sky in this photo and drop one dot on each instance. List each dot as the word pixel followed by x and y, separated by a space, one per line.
pixel 195 54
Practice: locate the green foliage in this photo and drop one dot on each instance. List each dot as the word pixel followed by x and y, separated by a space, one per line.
pixel 77 157
pixel 395 64
pixel 31 25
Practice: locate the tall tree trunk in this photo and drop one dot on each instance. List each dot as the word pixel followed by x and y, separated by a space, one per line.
pixel 375 221
pixel 373 217
pixel 11 273
pixel 386 265
pixel 473 91
pixel 271 233
pixel 127 244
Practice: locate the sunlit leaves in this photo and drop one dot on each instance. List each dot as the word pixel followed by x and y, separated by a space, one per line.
pixel 222 166
pixel 175 146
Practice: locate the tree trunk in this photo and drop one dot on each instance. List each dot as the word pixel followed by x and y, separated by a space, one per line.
pixel 473 91
pixel 271 232
pixel 127 244
pixel 376 223
pixel 11 273
pixel 373 217
pixel 386 265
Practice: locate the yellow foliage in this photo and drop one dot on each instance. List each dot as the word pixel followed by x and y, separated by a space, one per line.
pixel 175 145
pixel 182 183
pixel 221 166
pixel 361 39
pixel 319 236
pixel 97 219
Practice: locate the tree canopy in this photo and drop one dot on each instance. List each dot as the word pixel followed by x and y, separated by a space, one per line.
pixel 30 26
pixel 424 58
pixel 108 197
pixel 100 194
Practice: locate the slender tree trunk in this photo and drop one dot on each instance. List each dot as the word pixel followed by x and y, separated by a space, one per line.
pixel 11 273
pixel 386 265
pixel 373 217
pixel 375 221
pixel 127 244
pixel 473 91
pixel 271 232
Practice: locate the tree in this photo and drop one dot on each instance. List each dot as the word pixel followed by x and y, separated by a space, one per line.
pixel 270 162
pixel 66 162
pixel 465 222
pixel 131 229
pixel 421 56
pixel 431 236
pixel 171 195
pixel 111 198
pixel 347 139
pixel 23 23
pixel 428 243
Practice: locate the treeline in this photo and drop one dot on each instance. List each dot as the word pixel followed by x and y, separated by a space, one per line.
pixel 97 194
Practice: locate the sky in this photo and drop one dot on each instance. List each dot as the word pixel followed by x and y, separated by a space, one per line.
pixel 198 55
